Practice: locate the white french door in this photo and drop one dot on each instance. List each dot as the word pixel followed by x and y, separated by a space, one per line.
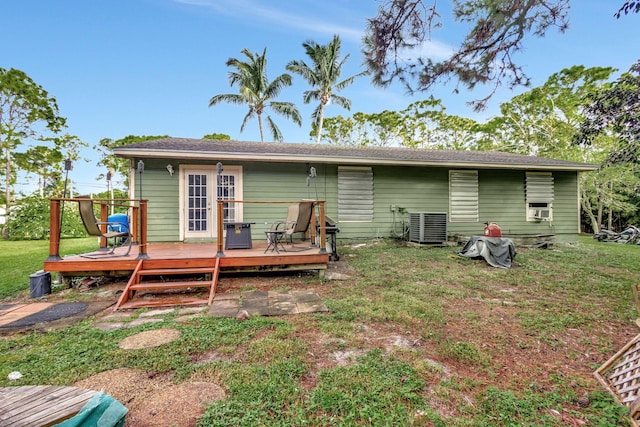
pixel 200 191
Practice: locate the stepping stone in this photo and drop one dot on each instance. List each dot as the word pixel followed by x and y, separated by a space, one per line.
pixel 305 296
pixel 138 322
pixel 149 339
pixel 312 307
pixel 152 313
pixel 224 308
pixel 109 326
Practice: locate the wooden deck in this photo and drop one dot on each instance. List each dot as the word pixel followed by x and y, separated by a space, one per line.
pixel 34 406
pixel 301 256
pixel 184 259
pixel 199 263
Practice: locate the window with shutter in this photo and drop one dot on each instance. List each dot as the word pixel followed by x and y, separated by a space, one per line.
pixel 355 194
pixel 463 196
pixel 539 194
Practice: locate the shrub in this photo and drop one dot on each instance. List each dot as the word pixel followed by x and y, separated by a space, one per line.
pixel 29 220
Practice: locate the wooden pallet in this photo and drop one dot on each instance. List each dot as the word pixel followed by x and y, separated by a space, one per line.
pixel 636 296
pixel 35 406
pixel 197 280
pixel 620 375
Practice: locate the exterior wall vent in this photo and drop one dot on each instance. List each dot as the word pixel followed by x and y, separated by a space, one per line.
pixel 428 227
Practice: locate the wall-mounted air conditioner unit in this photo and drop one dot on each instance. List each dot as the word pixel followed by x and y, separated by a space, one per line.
pixel 428 227
pixel 542 214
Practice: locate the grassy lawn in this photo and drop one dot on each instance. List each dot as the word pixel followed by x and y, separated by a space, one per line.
pixel 418 336
pixel 20 259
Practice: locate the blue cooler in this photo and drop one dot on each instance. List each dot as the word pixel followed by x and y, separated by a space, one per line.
pixel 120 222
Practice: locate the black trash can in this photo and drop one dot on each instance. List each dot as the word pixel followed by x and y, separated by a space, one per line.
pixel 39 284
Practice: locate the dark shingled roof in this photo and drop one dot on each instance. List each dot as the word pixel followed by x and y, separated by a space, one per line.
pixel 185 148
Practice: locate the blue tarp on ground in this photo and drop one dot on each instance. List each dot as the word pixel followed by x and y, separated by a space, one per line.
pixel 497 251
pixel 101 411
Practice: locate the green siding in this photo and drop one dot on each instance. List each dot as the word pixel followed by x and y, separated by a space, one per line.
pixel 413 189
pixel 161 189
pixel 503 200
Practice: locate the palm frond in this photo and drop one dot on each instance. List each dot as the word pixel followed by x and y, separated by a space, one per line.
pixel 250 115
pixel 288 110
pixel 256 91
pixel 311 95
pixel 322 74
pixel 231 98
pixel 275 87
pixel 304 70
pixel 315 115
pixel 273 128
pixel 341 101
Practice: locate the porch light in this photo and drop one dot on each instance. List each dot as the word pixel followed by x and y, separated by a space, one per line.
pixel 170 169
pixel 219 170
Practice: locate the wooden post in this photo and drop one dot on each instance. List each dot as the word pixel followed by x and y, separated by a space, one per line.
pixel 54 230
pixel 314 225
pixel 142 247
pixel 135 217
pixel 220 221
pixel 323 231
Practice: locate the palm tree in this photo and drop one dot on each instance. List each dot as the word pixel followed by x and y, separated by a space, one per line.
pixel 257 92
pixel 323 75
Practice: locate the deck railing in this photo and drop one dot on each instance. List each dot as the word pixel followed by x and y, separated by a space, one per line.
pixel 138 224
pixel 319 240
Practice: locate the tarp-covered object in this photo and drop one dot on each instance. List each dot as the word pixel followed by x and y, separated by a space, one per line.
pixel 101 411
pixel 497 251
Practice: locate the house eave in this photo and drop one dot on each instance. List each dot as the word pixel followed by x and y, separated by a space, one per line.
pixel 309 158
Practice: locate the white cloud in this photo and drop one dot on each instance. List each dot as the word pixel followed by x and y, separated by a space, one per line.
pixel 250 9
pixel 428 49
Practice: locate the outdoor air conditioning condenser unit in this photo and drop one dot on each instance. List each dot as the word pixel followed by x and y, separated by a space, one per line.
pixel 428 227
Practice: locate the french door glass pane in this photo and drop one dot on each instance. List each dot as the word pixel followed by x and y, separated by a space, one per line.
pixel 197 202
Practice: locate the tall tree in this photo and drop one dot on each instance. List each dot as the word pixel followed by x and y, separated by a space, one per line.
pixel 364 129
pixel 544 120
pixel 323 74
pixel 423 124
pixel 498 29
pixel 23 105
pixel 116 164
pixel 258 92
pixel 615 110
pixel 487 55
pixel 44 162
pixel 217 136
pixel 631 6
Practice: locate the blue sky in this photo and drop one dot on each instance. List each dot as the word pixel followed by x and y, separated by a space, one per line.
pixel 149 67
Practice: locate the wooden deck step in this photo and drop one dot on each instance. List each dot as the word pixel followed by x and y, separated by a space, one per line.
pixel 175 271
pixel 162 290
pixel 164 302
pixel 161 286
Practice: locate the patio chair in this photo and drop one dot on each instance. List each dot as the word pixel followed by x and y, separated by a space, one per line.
pixel 297 222
pixel 116 230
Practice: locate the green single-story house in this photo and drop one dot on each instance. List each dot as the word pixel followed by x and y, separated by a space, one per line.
pixel 370 191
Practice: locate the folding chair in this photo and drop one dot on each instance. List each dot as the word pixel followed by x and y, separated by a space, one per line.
pixel 297 222
pixel 114 229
